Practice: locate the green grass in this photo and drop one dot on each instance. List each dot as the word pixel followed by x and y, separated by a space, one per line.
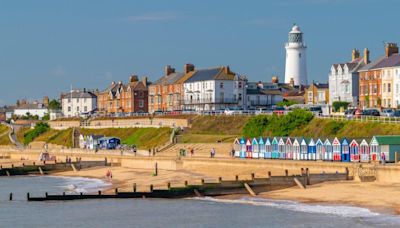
pixel 205 138
pixel 4 140
pixel 330 128
pixel 218 125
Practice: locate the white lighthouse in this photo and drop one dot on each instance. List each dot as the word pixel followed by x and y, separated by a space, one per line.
pixel 296 64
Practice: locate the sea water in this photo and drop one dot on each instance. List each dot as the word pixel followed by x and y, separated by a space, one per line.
pixel 193 212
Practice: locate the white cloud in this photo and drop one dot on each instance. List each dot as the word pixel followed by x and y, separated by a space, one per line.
pixel 58 71
pixel 153 16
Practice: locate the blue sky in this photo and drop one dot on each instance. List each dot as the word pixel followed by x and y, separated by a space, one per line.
pixel 47 46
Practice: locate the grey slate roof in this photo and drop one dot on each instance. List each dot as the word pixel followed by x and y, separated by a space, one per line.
pixel 372 65
pixel 204 75
pixel 169 79
pixel 393 60
pixel 78 94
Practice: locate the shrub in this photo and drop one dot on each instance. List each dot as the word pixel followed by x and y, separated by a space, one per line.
pixel 39 129
pixel 338 104
pixel 255 126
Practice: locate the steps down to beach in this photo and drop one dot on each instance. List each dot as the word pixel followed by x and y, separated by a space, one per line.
pixel 200 149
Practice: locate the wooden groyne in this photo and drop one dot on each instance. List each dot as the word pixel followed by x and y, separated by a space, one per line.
pixel 47 167
pixel 219 188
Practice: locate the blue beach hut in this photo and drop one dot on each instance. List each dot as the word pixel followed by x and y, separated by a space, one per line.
pixel 275 148
pixel 303 149
pixel 281 148
pixel 345 150
pixel 261 146
pixel 320 149
pixel 256 148
pixel 327 154
pixel 268 148
pixel 312 150
pixel 242 153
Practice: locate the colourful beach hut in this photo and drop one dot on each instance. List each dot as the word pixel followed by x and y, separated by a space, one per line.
pixel 289 149
pixel 336 149
pixel 374 150
pixel 281 148
pixel 345 150
pixel 275 148
pixel 256 148
pixel 249 149
pixel 364 151
pixel 261 146
pixel 268 148
pixel 319 145
pixel 237 147
pixel 296 149
pixel 354 151
pixel 327 154
pixel 388 146
pixel 303 149
pixel 242 153
pixel 312 150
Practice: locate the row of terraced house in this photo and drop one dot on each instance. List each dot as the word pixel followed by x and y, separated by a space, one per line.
pixel 216 88
pixel 365 83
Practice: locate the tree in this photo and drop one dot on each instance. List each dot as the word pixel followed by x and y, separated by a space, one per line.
pixel 54 105
pixel 339 104
pixel 285 103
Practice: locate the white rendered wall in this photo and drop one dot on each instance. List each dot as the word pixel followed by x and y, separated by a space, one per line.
pixel 296 63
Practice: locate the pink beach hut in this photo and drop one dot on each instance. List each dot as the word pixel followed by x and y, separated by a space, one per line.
pixel 354 151
pixel 249 149
pixel 336 146
pixel 289 149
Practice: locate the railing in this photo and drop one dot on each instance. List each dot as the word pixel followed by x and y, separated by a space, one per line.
pixel 210 101
pixel 376 119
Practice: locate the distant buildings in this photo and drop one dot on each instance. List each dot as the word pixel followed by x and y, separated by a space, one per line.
pixel 317 94
pixel 32 109
pixel 344 79
pixel 77 102
pixel 379 80
pixel 214 89
pixel 296 62
pixel 262 94
pixel 124 98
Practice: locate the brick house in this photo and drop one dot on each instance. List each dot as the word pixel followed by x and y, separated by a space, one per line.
pixel 124 98
pixel 166 94
pixel 317 93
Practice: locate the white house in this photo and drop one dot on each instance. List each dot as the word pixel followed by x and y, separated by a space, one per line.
pixel 214 89
pixel 35 109
pixel 344 79
pixel 396 86
pixel 262 94
pixel 78 102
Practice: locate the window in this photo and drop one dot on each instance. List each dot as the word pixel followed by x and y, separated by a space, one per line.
pixel 69 100
pixel 346 88
pixel 397 88
pixel 310 96
pixel 69 108
pixel 384 87
pixel 77 100
pixel 77 108
pixel 141 103
pixel 321 96
pixel 389 89
pixel 151 100
pixel 221 85
pixel 299 55
pixel 84 100
pixel 240 85
pixel 85 109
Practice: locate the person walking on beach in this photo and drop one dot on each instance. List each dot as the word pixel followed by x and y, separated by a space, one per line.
pixel 212 152
pixel 233 153
pixel 383 158
pixel 191 152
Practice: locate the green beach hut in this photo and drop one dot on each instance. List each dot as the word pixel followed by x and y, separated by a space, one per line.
pixel 388 145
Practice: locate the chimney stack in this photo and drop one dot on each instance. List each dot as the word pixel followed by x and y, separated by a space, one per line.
pixel 227 70
pixel 390 49
pixel 188 68
pixel 133 78
pixel 144 80
pixel 46 101
pixel 168 70
pixel 355 54
pixel 366 56
pixel 291 82
pixel 275 79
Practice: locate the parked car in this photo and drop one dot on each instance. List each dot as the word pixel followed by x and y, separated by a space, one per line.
pixel 358 113
pixel 371 112
pixel 279 110
pixel 316 110
pixel 387 112
pixel 396 113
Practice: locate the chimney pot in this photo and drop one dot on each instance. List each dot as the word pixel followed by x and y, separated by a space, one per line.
pixel 390 49
pixel 355 54
pixel 188 68
pixel 366 56
pixel 168 70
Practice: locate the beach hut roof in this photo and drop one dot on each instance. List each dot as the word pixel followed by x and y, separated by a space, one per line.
pixel 364 143
pixel 254 141
pixel 261 141
pixel 354 143
pixel 303 142
pixel 236 141
pixel 296 142
pixel 327 142
pixel 319 142
pixel 345 141
pixel 336 141
pixel 248 142
pixel 242 141
pixel 311 142
pixel 267 141
pixel 387 139
pixel 288 141
pixel 274 141
pixel 282 141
